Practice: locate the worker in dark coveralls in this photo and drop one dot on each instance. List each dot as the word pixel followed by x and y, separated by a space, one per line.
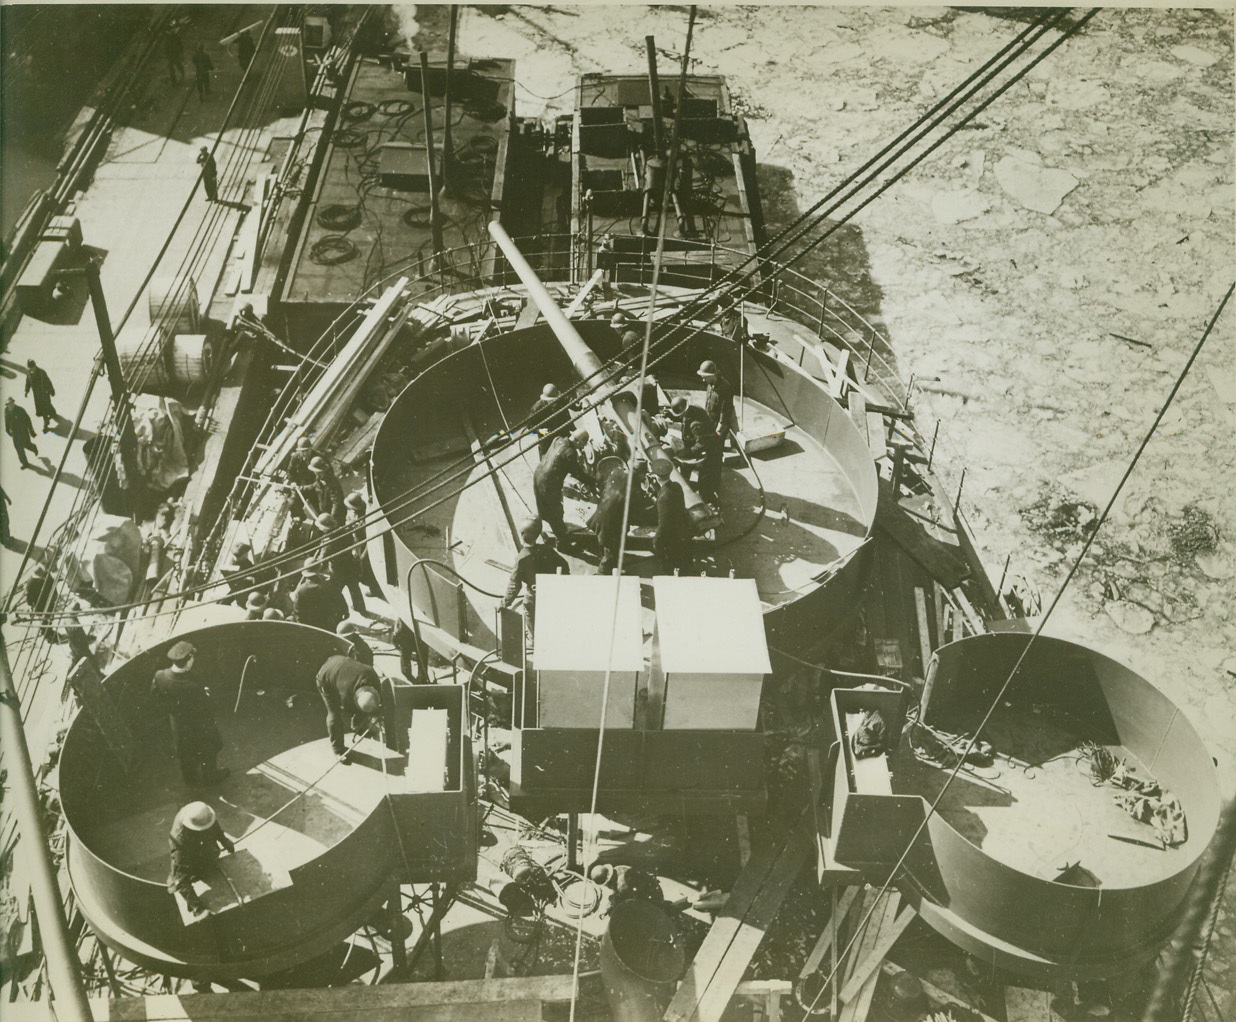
pixel 356 510
pixel 352 692
pixel 317 600
pixel 297 467
pixel 672 543
pixel 195 842
pixel 702 448
pixel 195 735
pixel 606 521
pixel 17 425
pixel 174 53
pixel 550 417
pixel 210 173
pixel 40 384
pixel 324 495
pixel 344 567
pixel 535 558
pixel 718 398
pixel 202 66
pixel 561 460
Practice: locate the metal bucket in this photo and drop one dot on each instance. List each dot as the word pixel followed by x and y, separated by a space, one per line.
pixel 641 961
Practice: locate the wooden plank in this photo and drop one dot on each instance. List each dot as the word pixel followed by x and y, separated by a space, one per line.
pixel 942 562
pixel 857 407
pixel 744 838
pixel 765 868
pixel 849 1013
pixel 358 444
pixel 973 618
pixel 844 903
pixel 864 969
pixel 877 438
pixel 839 381
pixel 924 629
pixel 764 908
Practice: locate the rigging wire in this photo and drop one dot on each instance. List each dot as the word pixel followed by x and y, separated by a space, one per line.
pixel 636 449
pixel 1008 681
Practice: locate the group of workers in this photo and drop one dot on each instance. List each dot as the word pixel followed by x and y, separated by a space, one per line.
pixel 352 693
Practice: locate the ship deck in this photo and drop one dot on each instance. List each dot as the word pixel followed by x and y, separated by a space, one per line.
pixel 1037 810
pixel 787 515
pixel 274 751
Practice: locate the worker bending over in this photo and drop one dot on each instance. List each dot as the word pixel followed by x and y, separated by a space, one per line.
pixel 351 688
pixel 562 460
pixel 195 842
pixel 550 417
pixel 702 448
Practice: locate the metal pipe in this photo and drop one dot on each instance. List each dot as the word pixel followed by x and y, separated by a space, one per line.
pixel 115 377
pixel 447 148
pixel 588 366
pixel 63 968
pixel 435 222
pixel 654 86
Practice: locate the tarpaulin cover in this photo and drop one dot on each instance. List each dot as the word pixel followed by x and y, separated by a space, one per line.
pixel 111 560
pixel 159 423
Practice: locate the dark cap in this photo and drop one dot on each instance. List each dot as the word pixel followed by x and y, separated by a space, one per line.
pixel 708 368
pixel 355 500
pixel 678 407
pixel 181 652
pixel 317 463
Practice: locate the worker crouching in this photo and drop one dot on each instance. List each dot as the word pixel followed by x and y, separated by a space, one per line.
pixel 194 843
pixel 536 557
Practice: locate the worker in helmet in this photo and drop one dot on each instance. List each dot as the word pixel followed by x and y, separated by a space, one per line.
pixel 718 398
pixel 297 467
pixel 324 495
pixel 351 691
pixel 317 600
pixel 550 417
pixel 345 569
pixel 184 697
pixel 194 842
pixel 672 543
pixel 702 449
pixel 561 460
pixel 535 557
pixel 361 650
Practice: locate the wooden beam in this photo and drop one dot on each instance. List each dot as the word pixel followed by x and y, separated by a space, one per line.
pixel 924 628
pixel 887 938
pixel 844 903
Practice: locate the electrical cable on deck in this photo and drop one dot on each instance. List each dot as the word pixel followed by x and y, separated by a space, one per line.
pixel 332 250
pixel 339 217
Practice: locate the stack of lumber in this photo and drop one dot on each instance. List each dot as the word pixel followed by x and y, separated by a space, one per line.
pixel 863 928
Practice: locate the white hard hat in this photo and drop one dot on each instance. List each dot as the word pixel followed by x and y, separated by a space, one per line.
pixel 367 700
pixel 197 816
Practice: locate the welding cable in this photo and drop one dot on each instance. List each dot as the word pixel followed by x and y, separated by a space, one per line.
pixel 397 107
pixel 998 698
pixel 339 217
pixel 357 110
pixel 332 249
pixel 346 138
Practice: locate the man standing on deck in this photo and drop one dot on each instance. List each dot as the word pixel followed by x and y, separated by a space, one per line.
pixel 561 460
pixel 38 382
pixel 195 735
pixel 344 567
pixel 718 399
pixel 361 650
pixel 17 425
pixel 245 50
pixel 550 417
pixel 194 844
pixel 210 174
pixel 317 601
pixel 202 66
pixel 297 468
pixel 357 511
pixel 349 687
pixel 323 495
pixel 535 558
pixel 174 52
pixel 672 543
